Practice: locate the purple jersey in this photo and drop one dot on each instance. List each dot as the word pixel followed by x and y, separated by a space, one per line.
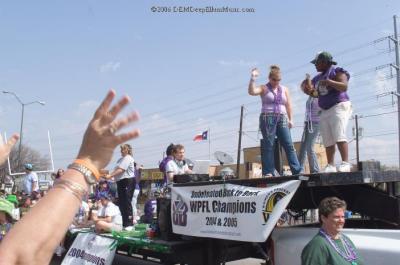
pixel 329 96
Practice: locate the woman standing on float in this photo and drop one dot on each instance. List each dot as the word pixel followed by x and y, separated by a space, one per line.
pixel 275 120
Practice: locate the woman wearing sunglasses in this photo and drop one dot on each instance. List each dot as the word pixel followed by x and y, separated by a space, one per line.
pixel 275 120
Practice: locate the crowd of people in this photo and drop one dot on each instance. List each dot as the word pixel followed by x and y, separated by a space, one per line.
pixel 328 109
pixel 113 204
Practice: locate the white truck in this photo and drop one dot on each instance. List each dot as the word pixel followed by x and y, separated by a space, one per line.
pixel 376 246
pixel 370 193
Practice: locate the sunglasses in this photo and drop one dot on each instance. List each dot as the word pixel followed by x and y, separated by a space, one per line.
pixel 276 80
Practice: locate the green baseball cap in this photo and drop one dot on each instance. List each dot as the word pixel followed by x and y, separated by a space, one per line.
pixel 12 198
pixel 6 207
pixel 325 57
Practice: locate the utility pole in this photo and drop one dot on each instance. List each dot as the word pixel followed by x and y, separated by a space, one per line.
pixel 357 146
pixel 240 142
pixel 395 39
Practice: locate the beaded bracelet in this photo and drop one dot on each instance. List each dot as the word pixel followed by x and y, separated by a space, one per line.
pixel 76 189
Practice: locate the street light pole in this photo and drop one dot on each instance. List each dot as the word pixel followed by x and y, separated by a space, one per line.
pixel 22 118
pixel 20 134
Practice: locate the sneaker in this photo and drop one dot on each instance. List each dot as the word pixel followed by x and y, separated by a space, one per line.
pixel 329 169
pixel 344 167
pixel 268 176
pixel 128 228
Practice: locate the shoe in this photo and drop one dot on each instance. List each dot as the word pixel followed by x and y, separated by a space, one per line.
pixel 128 228
pixel 329 169
pixel 344 167
pixel 268 176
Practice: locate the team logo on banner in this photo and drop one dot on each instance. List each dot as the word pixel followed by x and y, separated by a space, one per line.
pixel 179 212
pixel 271 200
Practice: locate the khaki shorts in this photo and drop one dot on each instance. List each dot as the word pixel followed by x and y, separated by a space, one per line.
pixel 333 123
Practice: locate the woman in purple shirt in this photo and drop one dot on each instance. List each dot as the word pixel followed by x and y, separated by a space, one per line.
pixel 275 120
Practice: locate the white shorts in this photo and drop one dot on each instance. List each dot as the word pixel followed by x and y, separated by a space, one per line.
pixel 333 123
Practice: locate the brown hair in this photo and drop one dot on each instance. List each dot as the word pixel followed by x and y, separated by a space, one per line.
pixel 127 147
pixel 177 147
pixel 330 204
pixel 274 71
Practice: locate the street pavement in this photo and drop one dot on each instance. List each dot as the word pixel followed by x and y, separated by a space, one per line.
pixel 123 260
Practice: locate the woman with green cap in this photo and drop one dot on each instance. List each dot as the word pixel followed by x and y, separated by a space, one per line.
pixel 6 213
pixel 16 212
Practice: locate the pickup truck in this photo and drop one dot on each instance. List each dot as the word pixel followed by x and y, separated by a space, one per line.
pixel 377 246
pixel 376 230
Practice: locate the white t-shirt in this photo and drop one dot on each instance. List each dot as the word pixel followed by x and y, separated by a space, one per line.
pixel 80 215
pixel 127 164
pixel 173 167
pixel 29 179
pixel 111 210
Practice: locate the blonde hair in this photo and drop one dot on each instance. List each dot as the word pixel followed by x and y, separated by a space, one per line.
pixel 127 147
pixel 274 71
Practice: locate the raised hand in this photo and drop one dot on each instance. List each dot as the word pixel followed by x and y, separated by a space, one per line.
pixel 100 139
pixel 5 148
pixel 255 73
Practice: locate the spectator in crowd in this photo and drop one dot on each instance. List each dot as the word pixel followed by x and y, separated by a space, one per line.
pixel 31 181
pixel 59 173
pixel 102 187
pixel 150 208
pixel 25 205
pixel 82 216
pixel 53 214
pixel 311 129
pixel 16 212
pixel 108 217
pixel 330 86
pixel 80 220
pixel 164 163
pixel 9 184
pixel 124 174
pixel 275 120
pixel 138 172
pixel 330 245
pixel 177 165
pixel 6 219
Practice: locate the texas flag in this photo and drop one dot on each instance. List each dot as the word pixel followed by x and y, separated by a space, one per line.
pixel 201 136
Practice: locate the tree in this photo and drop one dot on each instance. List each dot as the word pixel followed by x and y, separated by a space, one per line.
pixel 28 155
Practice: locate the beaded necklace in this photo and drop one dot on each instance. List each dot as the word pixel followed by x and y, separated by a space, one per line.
pixel 274 119
pixel 309 106
pixel 348 254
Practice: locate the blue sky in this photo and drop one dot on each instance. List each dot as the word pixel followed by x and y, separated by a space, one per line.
pixel 187 72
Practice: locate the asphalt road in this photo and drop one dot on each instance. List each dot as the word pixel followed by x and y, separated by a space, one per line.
pixel 123 260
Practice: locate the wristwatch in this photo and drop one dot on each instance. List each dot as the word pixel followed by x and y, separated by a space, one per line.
pixel 89 176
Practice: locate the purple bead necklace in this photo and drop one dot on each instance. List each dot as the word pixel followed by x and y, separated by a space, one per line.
pixel 277 109
pixel 348 254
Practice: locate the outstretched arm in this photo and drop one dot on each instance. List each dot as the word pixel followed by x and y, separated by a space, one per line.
pixel 253 89
pixel 33 239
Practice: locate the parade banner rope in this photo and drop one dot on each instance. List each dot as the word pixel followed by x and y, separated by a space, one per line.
pixel 229 211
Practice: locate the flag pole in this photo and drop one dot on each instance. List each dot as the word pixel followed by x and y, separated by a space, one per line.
pixel 209 145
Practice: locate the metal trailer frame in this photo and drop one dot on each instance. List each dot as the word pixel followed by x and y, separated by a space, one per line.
pixel 361 190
